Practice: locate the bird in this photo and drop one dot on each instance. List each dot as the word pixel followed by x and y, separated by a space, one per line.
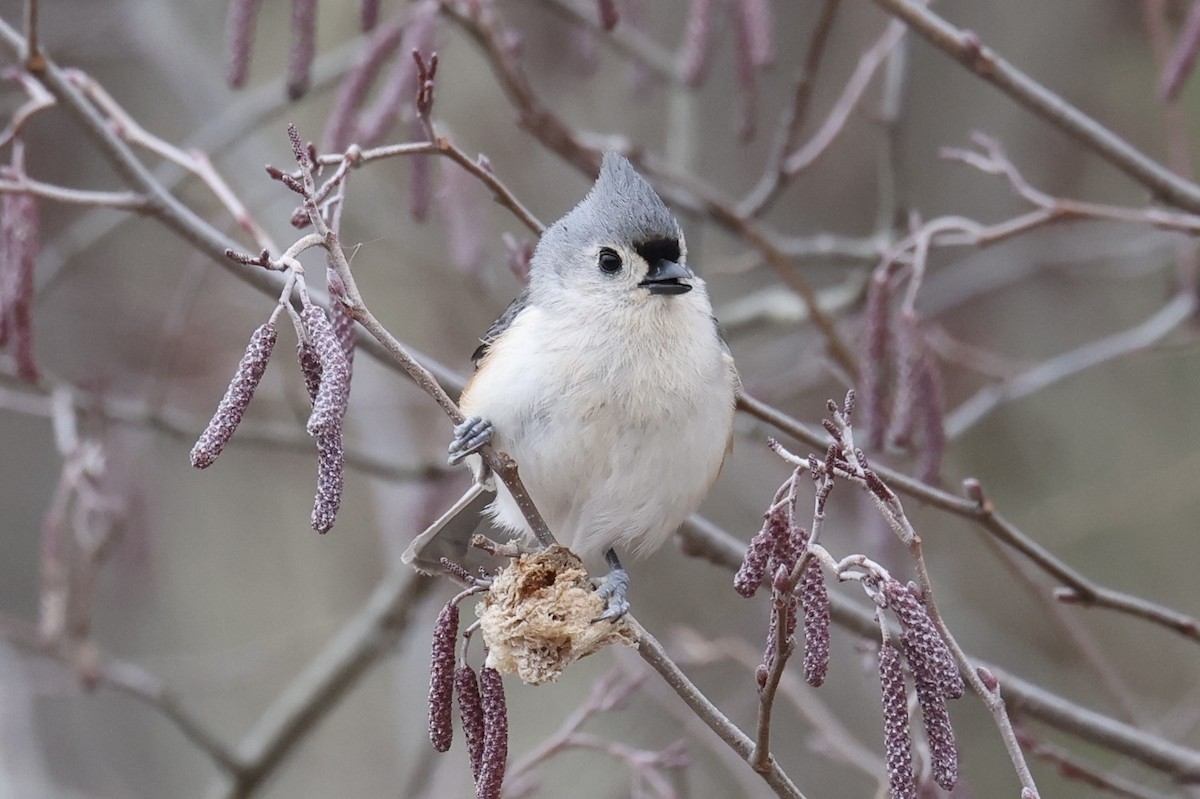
pixel 608 381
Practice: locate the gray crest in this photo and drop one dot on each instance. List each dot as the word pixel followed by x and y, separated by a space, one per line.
pixel 620 208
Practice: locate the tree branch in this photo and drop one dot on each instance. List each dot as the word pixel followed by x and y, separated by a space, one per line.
pixel 966 47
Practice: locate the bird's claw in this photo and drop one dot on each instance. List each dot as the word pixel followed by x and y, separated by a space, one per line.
pixel 614 590
pixel 473 433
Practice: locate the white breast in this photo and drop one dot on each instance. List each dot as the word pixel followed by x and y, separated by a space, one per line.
pixel 618 424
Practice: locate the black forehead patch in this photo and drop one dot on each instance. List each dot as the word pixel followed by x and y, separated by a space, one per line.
pixel 658 250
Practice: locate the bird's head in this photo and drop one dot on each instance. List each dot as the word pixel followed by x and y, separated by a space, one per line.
pixel 620 244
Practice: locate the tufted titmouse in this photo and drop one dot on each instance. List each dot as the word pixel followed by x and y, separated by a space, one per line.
pixel 607 380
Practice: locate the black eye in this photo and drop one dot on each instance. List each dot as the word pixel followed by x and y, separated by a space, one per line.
pixel 609 260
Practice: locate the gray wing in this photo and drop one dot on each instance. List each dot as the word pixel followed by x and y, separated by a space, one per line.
pixel 500 325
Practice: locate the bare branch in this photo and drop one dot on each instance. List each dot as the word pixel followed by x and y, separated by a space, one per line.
pixel 1162 323
pixel 967 48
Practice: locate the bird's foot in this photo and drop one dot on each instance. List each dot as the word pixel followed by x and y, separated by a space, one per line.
pixel 614 590
pixel 469 436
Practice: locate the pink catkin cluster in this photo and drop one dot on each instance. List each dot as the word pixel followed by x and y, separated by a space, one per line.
pixel 237 397
pixel 775 550
pixel 20 245
pixel 481 707
pixel 442 678
pixel 935 674
pixel 780 542
pixel 896 737
pixel 901 383
pixel 326 369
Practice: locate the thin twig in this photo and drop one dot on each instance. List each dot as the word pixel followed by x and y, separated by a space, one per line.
pixel 1078 770
pixel 759 198
pixel 95 669
pixel 444 146
pixel 1166 319
pixel 368 635
pixel 967 48
pixel 868 64
pixel 502 466
pixel 654 654
pixel 121 200
pixel 836 739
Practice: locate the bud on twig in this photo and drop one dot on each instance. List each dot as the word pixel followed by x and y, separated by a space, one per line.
pixel 442 677
pixel 237 397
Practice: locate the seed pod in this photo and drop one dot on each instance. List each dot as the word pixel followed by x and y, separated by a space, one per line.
pixel 237 397
pixel 897 739
pixel 331 477
pixel 239 34
pixel 333 394
pixel 753 571
pixel 310 367
pixel 495 735
pixel 470 709
pixel 924 648
pixel 815 601
pixel 304 45
pixel 441 678
pixel 943 753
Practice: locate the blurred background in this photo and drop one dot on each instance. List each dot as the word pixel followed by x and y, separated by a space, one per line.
pixel 218 587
